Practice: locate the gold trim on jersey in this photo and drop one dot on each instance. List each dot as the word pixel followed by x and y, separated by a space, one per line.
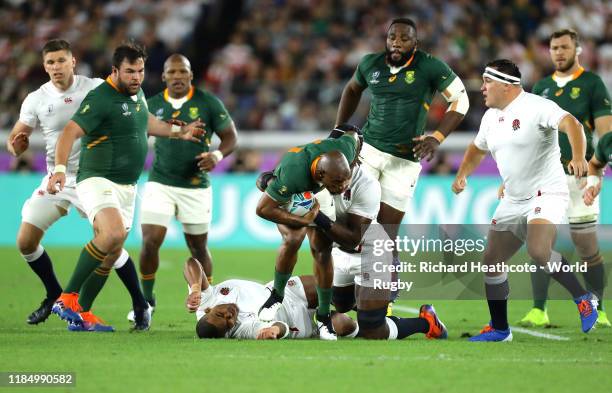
pixel 97 141
pixel 189 94
pixel 110 82
pixel 575 75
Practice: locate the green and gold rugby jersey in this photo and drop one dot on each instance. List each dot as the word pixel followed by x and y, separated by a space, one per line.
pixel 585 96
pixel 294 172
pixel 115 142
pixel 400 101
pixel 175 161
pixel 603 151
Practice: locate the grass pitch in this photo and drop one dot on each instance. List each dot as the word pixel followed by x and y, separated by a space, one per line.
pixel 170 359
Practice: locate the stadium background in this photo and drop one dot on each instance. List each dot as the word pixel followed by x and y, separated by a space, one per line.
pixel 279 67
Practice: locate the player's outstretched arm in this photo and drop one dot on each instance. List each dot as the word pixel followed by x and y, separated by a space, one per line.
pixel 349 101
pixel 472 158
pixel 269 209
pixel 18 139
pixel 189 132
pixel 229 137
pixel 71 132
pixel 197 281
pixel 575 133
pixel 594 181
pixel 276 331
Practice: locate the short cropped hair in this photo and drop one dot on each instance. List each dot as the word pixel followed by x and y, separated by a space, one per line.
pixel 506 66
pixel 55 45
pixel 571 32
pixel 404 21
pixel 130 51
pixel 205 329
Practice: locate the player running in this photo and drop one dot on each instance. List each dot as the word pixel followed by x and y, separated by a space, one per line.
pixel 402 81
pixel 112 123
pixel 521 132
pixel 50 108
pixel 322 167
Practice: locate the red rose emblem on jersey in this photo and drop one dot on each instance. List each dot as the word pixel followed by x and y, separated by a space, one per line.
pixel 516 124
pixel 538 210
pixel 224 291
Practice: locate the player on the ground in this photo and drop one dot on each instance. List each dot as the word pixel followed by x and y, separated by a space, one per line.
pixel 112 123
pixel 229 309
pixel 584 95
pixel 402 80
pixel 520 130
pixel 50 108
pixel 597 164
pixel 179 184
pixel 322 167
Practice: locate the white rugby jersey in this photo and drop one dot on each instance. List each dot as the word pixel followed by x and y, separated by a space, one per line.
pixel 524 141
pixel 51 109
pixel 362 198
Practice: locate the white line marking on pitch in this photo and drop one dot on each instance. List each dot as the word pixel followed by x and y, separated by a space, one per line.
pixel 517 329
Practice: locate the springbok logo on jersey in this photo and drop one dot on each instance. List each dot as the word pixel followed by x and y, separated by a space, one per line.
pixel 409 77
pixel 374 79
pixel 516 124
pixel 575 93
pixel 126 109
pixel 194 112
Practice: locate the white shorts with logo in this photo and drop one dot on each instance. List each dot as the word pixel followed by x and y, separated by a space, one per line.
pixel 578 212
pixel 397 176
pixel 294 310
pixel 43 209
pixel 513 216
pixel 352 269
pixel 191 206
pixel 97 193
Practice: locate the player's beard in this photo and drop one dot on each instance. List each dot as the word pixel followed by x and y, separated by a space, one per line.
pixel 125 88
pixel 403 59
pixel 570 63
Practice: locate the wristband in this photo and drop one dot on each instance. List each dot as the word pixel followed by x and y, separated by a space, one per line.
pixel 437 135
pixel 175 131
pixel 323 221
pixel 196 288
pixel 593 181
pixel 59 169
pixel 218 155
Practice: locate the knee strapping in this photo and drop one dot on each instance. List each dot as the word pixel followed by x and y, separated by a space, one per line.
pixel 371 319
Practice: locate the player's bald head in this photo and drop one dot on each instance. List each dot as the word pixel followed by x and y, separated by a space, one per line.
pixel 177 58
pixel 334 171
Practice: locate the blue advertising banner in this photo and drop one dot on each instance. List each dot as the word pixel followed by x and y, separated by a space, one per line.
pixel 235 224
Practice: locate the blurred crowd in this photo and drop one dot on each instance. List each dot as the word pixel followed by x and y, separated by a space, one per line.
pixel 282 64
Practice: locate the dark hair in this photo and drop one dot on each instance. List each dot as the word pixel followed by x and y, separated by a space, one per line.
pixel 404 21
pixel 129 51
pixel 506 66
pixel 571 32
pixel 205 329
pixel 55 45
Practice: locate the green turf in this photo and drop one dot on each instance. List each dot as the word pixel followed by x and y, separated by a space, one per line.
pixel 170 359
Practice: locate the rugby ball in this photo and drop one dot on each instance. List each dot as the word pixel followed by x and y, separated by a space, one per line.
pixel 300 204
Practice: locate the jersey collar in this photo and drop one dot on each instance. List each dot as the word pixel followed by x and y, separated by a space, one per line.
pixel 575 75
pixel 313 167
pixel 110 82
pixel 397 69
pixel 189 94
